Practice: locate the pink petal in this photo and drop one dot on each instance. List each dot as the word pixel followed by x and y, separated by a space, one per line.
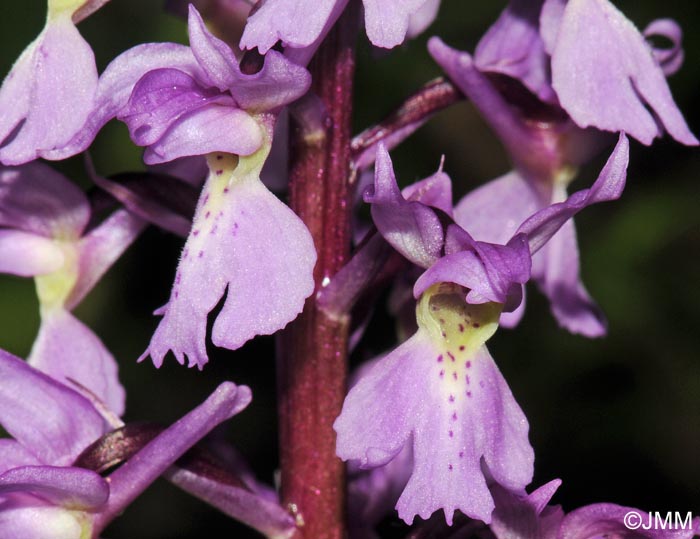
pixel 35 198
pixel 214 56
pixel 100 248
pixel 422 18
pixel 411 227
pixel 159 98
pixel 66 349
pixel 49 419
pixel 387 21
pixel 76 488
pixel 557 271
pixel 212 128
pixel 61 94
pixel 494 211
pixel 612 91
pixel 297 23
pixel 513 46
pixel 27 255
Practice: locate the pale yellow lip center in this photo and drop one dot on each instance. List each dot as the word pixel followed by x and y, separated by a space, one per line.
pixel 457 330
pixel 64 7
pixel 454 324
pixel 54 288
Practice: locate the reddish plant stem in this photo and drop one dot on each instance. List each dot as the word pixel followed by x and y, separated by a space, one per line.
pixel 312 370
pixel 418 108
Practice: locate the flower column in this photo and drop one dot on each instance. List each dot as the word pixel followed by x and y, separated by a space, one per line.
pixel 313 349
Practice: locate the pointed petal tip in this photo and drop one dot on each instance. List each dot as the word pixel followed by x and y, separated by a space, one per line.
pixel 193 13
pixel 541 496
pixel 156 362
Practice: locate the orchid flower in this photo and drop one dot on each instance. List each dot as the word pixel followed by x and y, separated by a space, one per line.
pixel 440 391
pixel 546 134
pixel 244 242
pixel 50 91
pixel 42 494
pixel 43 234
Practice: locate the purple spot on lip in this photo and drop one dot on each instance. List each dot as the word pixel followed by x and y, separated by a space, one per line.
pixel 452 357
pixel 176 294
pixel 207 215
pixel 466 377
pixel 451 433
pixel 219 157
pixel 481 384
pixel 461 454
pixel 442 320
pixel 439 358
pixel 468 364
pixel 476 324
pixel 452 398
pixel 444 334
pixel 454 416
pixel 206 198
pixel 454 375
pixel 442 373
pixel 195 232
pixel 201 254
pixel 450 467
pixel 219 172
pixel 461 348
pixel 461 328
pixel 226 190
pixel 469 394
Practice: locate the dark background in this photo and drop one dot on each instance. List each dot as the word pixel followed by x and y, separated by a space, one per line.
pixel 618 419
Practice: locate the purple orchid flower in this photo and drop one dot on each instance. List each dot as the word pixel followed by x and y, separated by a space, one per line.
pixel 41 493
pixel 244 242
pixel 545 145
pixel 50 91
pixel 302 23
pixel 433 392
pixel 546 133
pixel 440 391
pixel 43 222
